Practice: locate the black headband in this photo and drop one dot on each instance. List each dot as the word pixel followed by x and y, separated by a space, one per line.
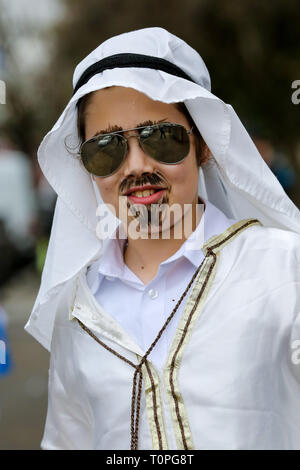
pixel 130 60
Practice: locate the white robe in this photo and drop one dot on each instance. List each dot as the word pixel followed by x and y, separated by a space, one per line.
pixel 236 376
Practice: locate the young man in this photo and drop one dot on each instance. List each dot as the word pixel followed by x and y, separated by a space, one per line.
pixel 165 342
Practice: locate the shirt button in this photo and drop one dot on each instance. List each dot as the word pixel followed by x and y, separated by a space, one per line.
pixel 110 278
pixel 153 293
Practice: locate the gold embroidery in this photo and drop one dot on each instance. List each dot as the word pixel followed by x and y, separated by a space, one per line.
pixel 154 407
pixel 186 324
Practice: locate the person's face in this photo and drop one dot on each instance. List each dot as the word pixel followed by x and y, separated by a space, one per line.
pixel 118 107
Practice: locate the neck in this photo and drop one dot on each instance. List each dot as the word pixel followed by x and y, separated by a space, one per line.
pixel 143 256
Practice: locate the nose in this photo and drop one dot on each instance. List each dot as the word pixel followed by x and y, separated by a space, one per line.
pixel 137 161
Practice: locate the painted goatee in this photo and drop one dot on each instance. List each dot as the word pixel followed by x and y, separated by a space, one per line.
pixel 149 214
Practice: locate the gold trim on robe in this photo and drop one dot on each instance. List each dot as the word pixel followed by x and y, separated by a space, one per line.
pixel 154 406
pixel 185 327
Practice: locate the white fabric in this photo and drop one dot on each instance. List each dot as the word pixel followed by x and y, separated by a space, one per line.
pixel 237 181
pixel 143 309
pixel 240 388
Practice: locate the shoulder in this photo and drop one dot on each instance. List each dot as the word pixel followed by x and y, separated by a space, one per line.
pixel 269 239
pixel 267 251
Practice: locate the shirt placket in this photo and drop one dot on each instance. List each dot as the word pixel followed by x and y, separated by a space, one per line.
pixel 153 318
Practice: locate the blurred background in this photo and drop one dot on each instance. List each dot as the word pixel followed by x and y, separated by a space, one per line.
pixel 252 51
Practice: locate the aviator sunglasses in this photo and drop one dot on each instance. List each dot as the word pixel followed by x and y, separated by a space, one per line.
pixel 166 142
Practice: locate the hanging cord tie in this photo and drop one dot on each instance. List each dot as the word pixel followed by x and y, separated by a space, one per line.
pixel 136 397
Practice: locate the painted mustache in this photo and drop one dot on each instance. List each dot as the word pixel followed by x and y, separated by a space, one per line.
pixel 147 179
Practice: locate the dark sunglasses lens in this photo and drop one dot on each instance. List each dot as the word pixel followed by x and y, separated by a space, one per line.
pixel 166 143
pixel 102 156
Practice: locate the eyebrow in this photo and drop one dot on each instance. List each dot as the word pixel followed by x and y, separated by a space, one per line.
pixel 116 128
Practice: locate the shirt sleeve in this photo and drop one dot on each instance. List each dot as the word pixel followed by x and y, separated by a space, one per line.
pixel 67 425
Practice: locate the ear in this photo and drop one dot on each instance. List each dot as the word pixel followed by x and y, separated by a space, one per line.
pixel 205 155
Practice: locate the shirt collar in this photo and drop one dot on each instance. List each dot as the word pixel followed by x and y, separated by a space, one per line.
pixel 213 222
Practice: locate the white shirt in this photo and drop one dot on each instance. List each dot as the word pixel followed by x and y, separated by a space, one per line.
pixel 143 309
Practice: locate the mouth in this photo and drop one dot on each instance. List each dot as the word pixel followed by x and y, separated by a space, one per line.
pixel 145 194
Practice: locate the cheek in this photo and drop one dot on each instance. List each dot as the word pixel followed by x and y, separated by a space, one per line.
pixel 184 177
pixel 109 194
pixel 106 187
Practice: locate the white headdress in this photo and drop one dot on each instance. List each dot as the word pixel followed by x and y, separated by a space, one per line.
pixel 165 68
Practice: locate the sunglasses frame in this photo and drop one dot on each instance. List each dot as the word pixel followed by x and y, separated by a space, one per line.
pixel 119 133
